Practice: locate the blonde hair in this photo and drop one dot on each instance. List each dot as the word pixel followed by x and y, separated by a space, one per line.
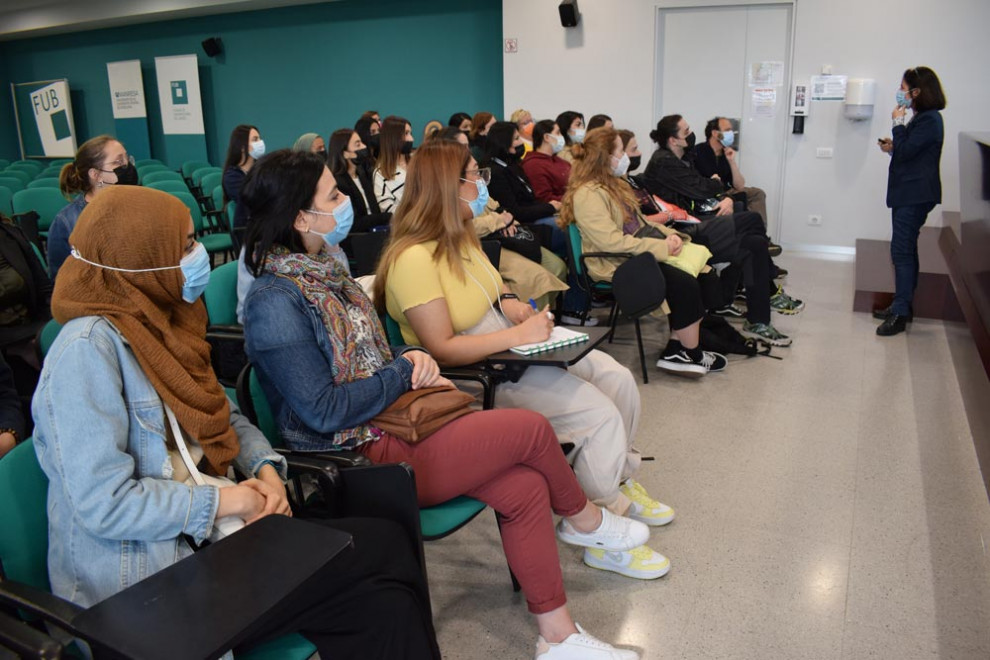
pixel 519 114
pixel 74 177
pixel 593 165
pixel 430 210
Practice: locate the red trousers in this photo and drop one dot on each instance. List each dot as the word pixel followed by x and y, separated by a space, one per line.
pixel 511 461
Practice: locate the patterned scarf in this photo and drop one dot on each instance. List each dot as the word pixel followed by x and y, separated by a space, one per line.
pixel 360 347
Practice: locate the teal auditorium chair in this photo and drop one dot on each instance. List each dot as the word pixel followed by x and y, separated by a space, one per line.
pixel 24 567
pixel 32 166
pixel 161 175
pixel 224 333
pixel 4 163
pixel 46 202
pixel 11 183
pixel 168 185
pixel 6 199
pixel 147 161
pixel 44 182
pixel 52 171
pixel 148 169
pixel 213 239
pixel 21 175
pixel 191 166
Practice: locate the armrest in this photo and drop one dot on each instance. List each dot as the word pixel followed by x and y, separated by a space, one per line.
pixel 601 255
pixel 231 330
pixel 477 375
pixel 343 458
pixel 42 604
pixel 324 472
pixel 25 641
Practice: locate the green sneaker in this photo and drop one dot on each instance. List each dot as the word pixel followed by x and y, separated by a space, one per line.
pixel 765 332
pixel 782 303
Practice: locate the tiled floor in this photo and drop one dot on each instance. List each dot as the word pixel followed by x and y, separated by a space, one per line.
pixel 829 506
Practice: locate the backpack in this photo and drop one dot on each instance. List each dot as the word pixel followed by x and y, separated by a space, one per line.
pixel 719 336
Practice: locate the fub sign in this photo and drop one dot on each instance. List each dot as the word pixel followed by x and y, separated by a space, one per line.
pixel 44 119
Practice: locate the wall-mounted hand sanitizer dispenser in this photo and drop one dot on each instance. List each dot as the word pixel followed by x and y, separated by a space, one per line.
pixel 799 105
pixel 861 94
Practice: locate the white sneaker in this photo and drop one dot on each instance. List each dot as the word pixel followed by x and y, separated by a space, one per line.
pixel 616 533
pixel 642 563
pixel 581 646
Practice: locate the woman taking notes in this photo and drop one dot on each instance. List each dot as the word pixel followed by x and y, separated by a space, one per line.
pixel 913 185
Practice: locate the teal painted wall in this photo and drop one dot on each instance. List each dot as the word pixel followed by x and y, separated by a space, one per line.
pixel 288 71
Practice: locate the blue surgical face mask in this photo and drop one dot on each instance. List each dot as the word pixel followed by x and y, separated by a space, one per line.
pixel 558 143
pixel 728 138
pixel 196 269
pixel 578 135
pixel 479 203
pixel 343 215
pixel 257 149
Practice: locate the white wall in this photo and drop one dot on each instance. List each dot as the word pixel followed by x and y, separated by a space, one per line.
pixel 606 64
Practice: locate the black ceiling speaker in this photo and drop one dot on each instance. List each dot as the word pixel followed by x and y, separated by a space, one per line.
pixel 213 46
pixel 569 15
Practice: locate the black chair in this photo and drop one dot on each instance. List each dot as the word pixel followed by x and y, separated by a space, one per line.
pixel 366 248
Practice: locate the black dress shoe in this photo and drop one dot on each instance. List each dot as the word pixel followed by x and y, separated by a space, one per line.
pixel 886 313
pixel 892 325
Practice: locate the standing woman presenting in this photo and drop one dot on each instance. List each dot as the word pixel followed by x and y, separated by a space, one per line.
pixel 913 185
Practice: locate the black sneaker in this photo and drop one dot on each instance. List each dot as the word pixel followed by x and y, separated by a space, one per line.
pixel 892 325
pixel 713 361
pixel 730 312
pixel 681 364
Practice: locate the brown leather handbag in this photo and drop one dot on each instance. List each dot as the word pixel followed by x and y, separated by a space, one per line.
pixel 417 414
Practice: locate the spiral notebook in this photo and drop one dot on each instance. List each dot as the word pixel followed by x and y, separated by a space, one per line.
pixel 559 338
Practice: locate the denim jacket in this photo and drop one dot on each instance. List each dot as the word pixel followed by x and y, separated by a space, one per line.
pixel 115 516
pixel 288 344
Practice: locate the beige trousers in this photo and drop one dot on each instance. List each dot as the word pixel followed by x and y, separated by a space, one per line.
pixel 595 405
pixel 756 201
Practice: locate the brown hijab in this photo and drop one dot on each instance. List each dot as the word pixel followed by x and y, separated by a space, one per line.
pixel 133 227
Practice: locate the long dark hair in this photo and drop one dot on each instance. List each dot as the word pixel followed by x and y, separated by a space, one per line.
pixel 390 145
pixel 930 95
pixel 457 119
pixel 336 147
pixel 363 128
pixel 499 141
pixel 564 121
pixel 237 148
pixel 279 185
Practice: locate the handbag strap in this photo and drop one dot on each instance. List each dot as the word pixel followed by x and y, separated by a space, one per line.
pixel 180 442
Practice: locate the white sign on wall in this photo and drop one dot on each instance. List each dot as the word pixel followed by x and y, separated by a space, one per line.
pixel 178 94
pixel 126 89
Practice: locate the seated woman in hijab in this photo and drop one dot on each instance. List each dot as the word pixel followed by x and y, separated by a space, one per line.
pixel 127 383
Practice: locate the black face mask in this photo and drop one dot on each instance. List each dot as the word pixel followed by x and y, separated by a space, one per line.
pixel 126 175
pixel 373 140
pixel 407 148
pixel 360 156
pixel 514 156
pixel 690 140
pixel 634 162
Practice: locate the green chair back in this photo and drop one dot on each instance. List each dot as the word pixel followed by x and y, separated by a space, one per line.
pixel 23 176
pixel 51 171
pixel 161 175
pixel 221 295
pixel 59 162
pixel 24 517
pixel 47 336
pixel 191 166
pixel 32 166
pixel 393 331
pixel 46 202
pixel 6 197
pixel 147 161
pixel 41 257
pixel 4 163
pixel 198 174
pixel 148 169
pixel 11 183
pixel 168 185
pixel 209 183
pixel 576 249
pixel 193 205
pixel 44 182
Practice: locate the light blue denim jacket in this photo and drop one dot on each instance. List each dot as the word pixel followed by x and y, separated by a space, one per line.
pixel 115 516
pixel 288 344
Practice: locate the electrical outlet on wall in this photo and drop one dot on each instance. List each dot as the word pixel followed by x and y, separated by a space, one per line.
pixel 823 152
pixel 815 220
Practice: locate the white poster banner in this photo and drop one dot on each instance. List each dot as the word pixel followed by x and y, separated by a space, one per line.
pixel 126 89
pixel 53 116
pixel 178 94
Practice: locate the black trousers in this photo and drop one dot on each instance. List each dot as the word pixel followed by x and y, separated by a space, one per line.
pixel 371 602
pixel 684 296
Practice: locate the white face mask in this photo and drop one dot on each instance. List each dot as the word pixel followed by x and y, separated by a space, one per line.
pixel 257 149
pixel 558 144
pixel 623 165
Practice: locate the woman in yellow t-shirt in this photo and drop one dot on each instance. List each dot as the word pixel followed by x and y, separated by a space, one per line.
pixel 435 281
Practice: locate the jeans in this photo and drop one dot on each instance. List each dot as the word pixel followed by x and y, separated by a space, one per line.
pixel 575 300
pixel 906 222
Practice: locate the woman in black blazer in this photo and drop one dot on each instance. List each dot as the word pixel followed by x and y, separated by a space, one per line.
pixel 913 185
pixel 347 158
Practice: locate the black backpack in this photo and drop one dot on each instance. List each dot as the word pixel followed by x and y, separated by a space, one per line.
pixel 719 336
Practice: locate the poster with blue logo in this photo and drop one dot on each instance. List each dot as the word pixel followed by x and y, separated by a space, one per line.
pixel 130 115
pixel 184 137
pixel 43 111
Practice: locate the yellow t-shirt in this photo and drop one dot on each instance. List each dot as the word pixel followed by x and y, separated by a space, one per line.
pixel 416 279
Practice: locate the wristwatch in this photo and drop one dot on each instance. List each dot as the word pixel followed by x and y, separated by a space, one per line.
pixel 508 296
